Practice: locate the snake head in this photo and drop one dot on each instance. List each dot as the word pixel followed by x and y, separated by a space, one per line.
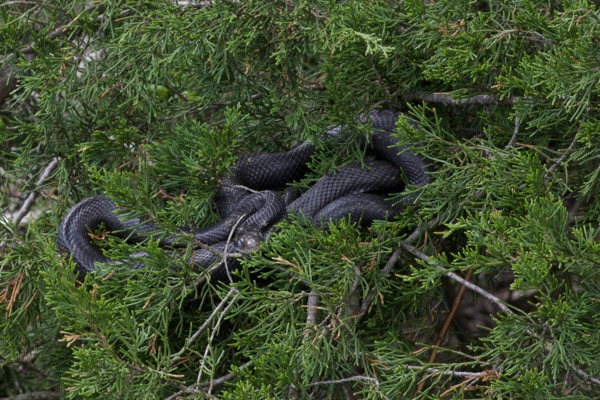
pixel 248 239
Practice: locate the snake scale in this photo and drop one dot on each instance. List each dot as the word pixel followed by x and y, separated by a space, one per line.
pixel 250 202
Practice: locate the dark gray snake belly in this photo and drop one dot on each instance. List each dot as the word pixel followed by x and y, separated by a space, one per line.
pixel 250 206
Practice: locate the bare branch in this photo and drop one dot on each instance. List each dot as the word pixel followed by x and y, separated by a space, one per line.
pixel 449 100
pixel 20 2
pixel 445 327
pixel 586 376
pixel 345 380
pixel 562 157
pixel 312 310
pixel 177 356
pixel 212 383
pixel 61 30
pixel 293 393
pixel 464 374
pixel 391 263
pixel 32 196
pixel 228 243
pixel 227 377
pixel 416 252
pixel 214 331
pixel 513 138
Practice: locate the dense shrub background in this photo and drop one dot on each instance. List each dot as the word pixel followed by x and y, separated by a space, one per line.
pixel 150 102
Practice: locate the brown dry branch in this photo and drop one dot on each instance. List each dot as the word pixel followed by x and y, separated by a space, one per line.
pixel 11 291
pixel 446 326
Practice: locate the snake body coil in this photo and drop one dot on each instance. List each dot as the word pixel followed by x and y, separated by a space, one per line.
pixel 356 191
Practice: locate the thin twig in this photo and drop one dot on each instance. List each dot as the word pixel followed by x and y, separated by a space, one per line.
pixel 417 233
pixel 228 243
pixel 179 393
pixel 311 320
pixel 227 377
pixel 224 256
pixel 212 383
pixel 212 335
pixel 456 304
pixel 354 294
pixel 212 106
pixel 391 263
pixel 586 376
pixel 345 380
pixel 447 99
pixel 561 159
pixel 293 391
pixel 513 138
pixel 312 310
pixel 416 252
pixel 366 304
pixel 380 79
pixel 21 2
pixel 446 326
pixel 464 374
pixel 60 31
pixel 177 356
pixel 33 195
pixel 242 187
pixel 199 245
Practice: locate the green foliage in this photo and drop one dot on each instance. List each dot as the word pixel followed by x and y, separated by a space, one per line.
pixel 151 102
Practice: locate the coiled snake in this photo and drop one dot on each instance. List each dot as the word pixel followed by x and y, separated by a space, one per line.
pixel 249 204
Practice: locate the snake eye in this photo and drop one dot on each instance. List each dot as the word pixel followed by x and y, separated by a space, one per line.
pixel 261 236
pixel 239 243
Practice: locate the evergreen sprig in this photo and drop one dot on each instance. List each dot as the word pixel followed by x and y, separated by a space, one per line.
pixel 151 103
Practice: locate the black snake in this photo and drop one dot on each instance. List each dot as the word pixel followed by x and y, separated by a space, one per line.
pixel 250 206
